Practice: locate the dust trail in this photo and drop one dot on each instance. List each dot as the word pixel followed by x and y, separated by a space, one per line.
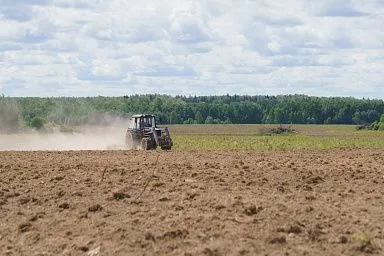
pixel 96 137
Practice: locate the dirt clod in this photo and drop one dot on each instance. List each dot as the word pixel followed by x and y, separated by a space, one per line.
pixel 149 236
pixel 343 239
pixel 84 248
pixel 174 234
pixel 278 240
pixel 295 229
pixel 3 202
pixel 36 216
pixel 252 210
pixel 24 227
pixel 315 180
pixel 24 200
pixel 211 252
pixel 95 208
pixel 119 195
pixel 64 205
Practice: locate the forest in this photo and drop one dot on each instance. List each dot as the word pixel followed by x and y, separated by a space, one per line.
pixel 19 112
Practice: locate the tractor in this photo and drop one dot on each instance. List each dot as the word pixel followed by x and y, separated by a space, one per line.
pixel 144 134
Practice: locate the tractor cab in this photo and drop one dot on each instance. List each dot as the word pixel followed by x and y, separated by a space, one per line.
pixel 143 121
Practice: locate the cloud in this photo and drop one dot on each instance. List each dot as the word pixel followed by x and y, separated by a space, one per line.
pixel 17 13
pixel 28 2
pixel 6 47
pixel 117 47
pixel 21 10
pixel 278 21
pixel 188 29
pixel 339 8
pixel 76 4
pixel 168 72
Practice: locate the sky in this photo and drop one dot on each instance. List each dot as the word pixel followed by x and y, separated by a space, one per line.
pixel 192 47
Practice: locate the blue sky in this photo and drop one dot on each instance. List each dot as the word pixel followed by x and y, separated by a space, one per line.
pixel 192 47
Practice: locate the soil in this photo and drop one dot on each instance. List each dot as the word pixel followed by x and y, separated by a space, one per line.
pixel 192 203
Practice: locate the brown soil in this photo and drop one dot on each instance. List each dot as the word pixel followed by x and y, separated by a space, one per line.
pixel 191 203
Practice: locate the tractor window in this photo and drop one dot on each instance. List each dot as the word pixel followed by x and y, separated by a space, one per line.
pixel 133 123
pixel 148 121
pixel 144 121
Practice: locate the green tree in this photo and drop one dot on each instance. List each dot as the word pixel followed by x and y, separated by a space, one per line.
pixel 198 117
pixel 328 120
pixel 299 109
pixel 356 118
pixel 209 120
pixel 37 123
pixel 189 121
pixel 174 118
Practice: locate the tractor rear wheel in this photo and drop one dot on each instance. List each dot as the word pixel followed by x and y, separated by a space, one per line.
pixel 144 144
pixel 129 143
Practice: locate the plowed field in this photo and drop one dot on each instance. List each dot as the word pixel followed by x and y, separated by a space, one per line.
pixel 192 203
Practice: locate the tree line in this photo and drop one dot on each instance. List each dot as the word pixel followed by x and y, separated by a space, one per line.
pixel 19 112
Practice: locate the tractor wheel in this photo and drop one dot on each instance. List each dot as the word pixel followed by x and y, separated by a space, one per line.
pixel 129 143
pixel 152 143
pixel 144 144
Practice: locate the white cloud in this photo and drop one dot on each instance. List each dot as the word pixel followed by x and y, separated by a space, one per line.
pixel 197 47
pixel 338 8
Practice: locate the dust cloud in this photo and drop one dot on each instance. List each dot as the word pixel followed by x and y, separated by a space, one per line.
pixel 88 137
